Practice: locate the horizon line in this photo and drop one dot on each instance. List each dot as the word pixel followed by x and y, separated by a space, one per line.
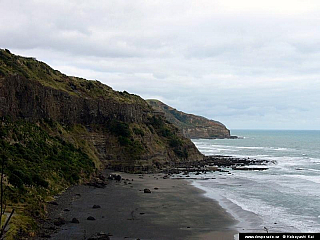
pixel 271 129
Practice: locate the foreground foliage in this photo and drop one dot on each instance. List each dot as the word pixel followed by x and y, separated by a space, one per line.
pixel 36 167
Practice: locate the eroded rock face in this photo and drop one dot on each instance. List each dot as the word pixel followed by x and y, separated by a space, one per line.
pixel 192 126
pixel 32 101
pixel 119 129
pixel 28 99
pixel 217 131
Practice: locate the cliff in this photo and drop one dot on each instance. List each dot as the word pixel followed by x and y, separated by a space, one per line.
pixel 57 130
pixel 192 126
pixel 122 127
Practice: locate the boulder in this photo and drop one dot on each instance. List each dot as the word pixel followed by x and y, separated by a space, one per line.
pixel 59 222
pixel 146 190
pixel 117 178
pixel 75 220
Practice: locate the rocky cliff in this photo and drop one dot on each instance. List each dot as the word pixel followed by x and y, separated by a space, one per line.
pixel 192 126
pixel 57 130
pixel 123 130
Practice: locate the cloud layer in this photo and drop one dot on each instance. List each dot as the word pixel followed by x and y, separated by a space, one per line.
pixel 246 64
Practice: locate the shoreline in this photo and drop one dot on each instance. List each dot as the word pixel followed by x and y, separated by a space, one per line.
pixel 173 210
pixel 245 221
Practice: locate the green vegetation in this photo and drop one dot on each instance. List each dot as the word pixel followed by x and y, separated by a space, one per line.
pixel 44 156
pixel 133 147
pixel 181 119
pixel 37 166
pixel 30 68
pixel 119 128
pixel 170 133
pixel 192 126
pixel 33 152
pixel 138 131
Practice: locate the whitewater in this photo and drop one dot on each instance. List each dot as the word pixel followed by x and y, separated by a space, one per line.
pixel 284 198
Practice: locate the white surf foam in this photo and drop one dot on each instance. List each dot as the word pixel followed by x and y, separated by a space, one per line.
pixel 255 214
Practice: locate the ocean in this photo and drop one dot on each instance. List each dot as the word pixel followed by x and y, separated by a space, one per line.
pixel 284 198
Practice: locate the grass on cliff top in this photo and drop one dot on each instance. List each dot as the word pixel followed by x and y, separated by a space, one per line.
pixel 37 167
pixel 30 68
pixel 181 119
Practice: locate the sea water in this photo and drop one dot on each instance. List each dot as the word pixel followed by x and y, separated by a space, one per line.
pixel 284 198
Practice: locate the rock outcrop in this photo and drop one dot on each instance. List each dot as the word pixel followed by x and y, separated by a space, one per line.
pixel 121 129
pixel 192 126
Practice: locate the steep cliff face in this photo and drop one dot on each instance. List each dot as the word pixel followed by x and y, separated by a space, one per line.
pixel 121 128
pixel 191 125
pixel 56 130
pixel 29 99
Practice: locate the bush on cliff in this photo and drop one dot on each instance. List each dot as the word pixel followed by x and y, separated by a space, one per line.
pixel 37 166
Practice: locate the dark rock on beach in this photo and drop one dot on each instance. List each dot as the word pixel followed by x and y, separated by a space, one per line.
pixel 46 236
pixel 97 182
pixel 75 220
pixel 164 215
pixel 116 177
pixel 101 236
pixel 59 222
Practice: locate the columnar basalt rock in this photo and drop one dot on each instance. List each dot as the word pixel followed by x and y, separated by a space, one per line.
pixel 29 99
pixel 121 129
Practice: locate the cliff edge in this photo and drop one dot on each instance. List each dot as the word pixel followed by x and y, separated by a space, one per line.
pixel 125 131
pixel 192 126
pixel 57 130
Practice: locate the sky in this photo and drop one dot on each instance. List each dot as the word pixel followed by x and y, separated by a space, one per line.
pixel 249 64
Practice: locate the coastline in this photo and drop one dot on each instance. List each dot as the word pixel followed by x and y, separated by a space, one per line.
pixel 173 210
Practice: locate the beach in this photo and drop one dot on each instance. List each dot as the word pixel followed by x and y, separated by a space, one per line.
pixel 173 210
pixel 283 198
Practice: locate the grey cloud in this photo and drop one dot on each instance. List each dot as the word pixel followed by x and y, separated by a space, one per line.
pixel 240 67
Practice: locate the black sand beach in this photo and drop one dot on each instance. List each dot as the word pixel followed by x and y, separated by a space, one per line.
pixel 173 210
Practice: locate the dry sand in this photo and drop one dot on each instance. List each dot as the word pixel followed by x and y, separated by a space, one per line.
pixel 173 210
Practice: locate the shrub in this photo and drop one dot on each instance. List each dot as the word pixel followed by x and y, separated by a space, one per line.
pixel 138 131
pixel 124 141
pixel 15 181
pixel 175 142
pixel 135 149
pixel 156 122
pixel 120 128
pixel 25 178
pixel 39 181
pixel 32 161
pixel 181 152
pixel 165 132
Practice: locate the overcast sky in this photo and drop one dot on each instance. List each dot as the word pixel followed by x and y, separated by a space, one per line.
pixel 250 64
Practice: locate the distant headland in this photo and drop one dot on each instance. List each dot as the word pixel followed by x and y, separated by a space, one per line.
pixel 192 126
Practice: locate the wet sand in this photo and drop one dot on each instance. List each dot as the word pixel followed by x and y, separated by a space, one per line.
pixel 173 210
